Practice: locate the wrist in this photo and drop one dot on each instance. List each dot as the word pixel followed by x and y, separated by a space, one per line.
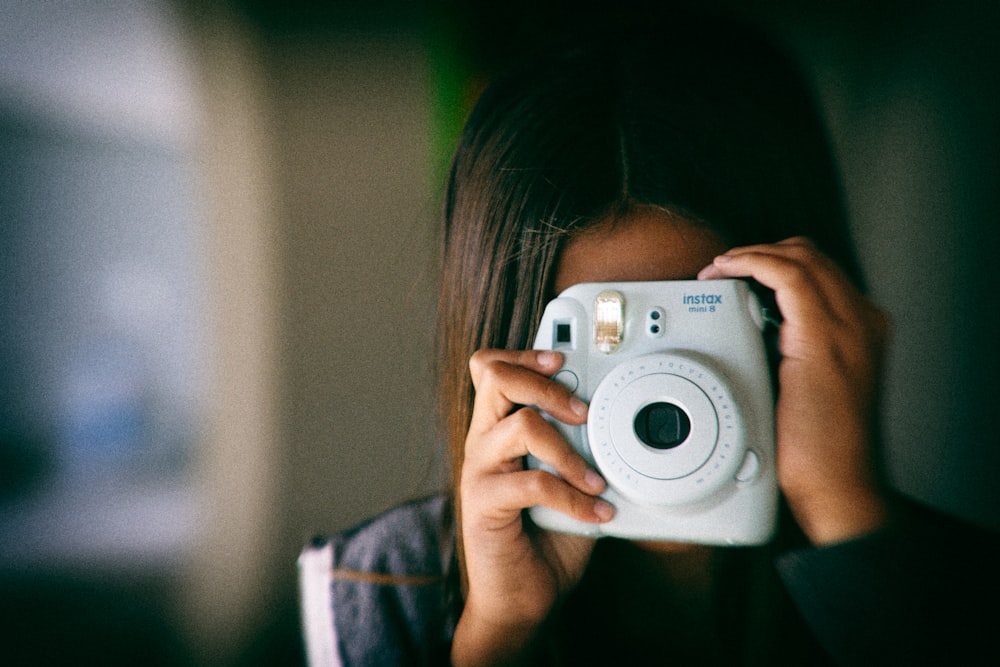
pixel 484 641
pixel 830 518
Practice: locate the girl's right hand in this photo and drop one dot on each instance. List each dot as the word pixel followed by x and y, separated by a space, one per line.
pixel 516 571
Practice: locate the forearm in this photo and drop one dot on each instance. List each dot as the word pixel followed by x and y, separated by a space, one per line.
pixel 836 517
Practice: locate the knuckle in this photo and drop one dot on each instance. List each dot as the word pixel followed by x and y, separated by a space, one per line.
pixel 799 244
pixel 804 252
pixel 537 484
pixel 477 361
pixel 490 372
pixel 486 362
pixel 796 274
pixel 525 420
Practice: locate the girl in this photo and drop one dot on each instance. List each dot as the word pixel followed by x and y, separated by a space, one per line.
pixel 683 151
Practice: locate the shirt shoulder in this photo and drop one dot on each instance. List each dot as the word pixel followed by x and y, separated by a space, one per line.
pixel 393 592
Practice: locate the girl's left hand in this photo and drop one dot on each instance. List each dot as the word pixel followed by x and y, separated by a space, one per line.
pixel 831 344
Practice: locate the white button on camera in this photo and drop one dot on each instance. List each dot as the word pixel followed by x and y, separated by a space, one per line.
pixel 751 466
pixel 567 379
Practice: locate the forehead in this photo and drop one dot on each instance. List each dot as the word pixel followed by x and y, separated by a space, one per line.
pixel 649 244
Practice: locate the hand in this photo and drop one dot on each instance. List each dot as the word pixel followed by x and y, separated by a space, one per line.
pixel 831 344
pixel 516 571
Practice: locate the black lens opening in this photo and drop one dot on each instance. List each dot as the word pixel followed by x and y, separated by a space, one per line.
pixel 662 425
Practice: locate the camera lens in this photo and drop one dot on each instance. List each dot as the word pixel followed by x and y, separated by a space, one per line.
pixel 662 425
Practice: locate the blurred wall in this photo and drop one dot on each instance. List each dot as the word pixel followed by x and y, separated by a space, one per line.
pixel 103 351
pixel 230 578
pixel 321 214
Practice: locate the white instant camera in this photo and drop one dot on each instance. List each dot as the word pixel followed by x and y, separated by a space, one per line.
pixel 681 421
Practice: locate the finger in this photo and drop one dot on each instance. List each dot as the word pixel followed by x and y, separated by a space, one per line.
pixel 805 282
pixel 798 250
pixel 515 492
pixel 525 433
pixel 502 386
pixel 545 362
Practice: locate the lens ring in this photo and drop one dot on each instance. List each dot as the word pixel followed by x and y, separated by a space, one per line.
pixel 682 474
pixel 644 388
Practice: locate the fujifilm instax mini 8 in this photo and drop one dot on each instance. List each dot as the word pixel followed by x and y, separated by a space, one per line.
pixel 681 421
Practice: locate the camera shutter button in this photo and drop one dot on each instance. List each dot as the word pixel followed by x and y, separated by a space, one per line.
pixel 751 466
pixel 567 379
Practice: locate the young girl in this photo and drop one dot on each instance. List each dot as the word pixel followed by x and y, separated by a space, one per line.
pixel 672 152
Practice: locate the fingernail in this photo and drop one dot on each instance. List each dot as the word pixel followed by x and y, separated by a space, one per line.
pixel 578 407
pixel 549 358
pixel 603 510
pixel 722 259
pixel 594 482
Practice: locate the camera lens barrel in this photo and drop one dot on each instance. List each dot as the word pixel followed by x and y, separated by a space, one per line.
pixel 665 417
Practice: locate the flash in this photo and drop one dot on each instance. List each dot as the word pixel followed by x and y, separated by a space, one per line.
pixel 609 320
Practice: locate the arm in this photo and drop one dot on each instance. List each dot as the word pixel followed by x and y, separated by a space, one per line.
pixel 885 582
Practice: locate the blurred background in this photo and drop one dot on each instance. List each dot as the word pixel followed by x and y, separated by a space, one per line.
pixel 218 227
